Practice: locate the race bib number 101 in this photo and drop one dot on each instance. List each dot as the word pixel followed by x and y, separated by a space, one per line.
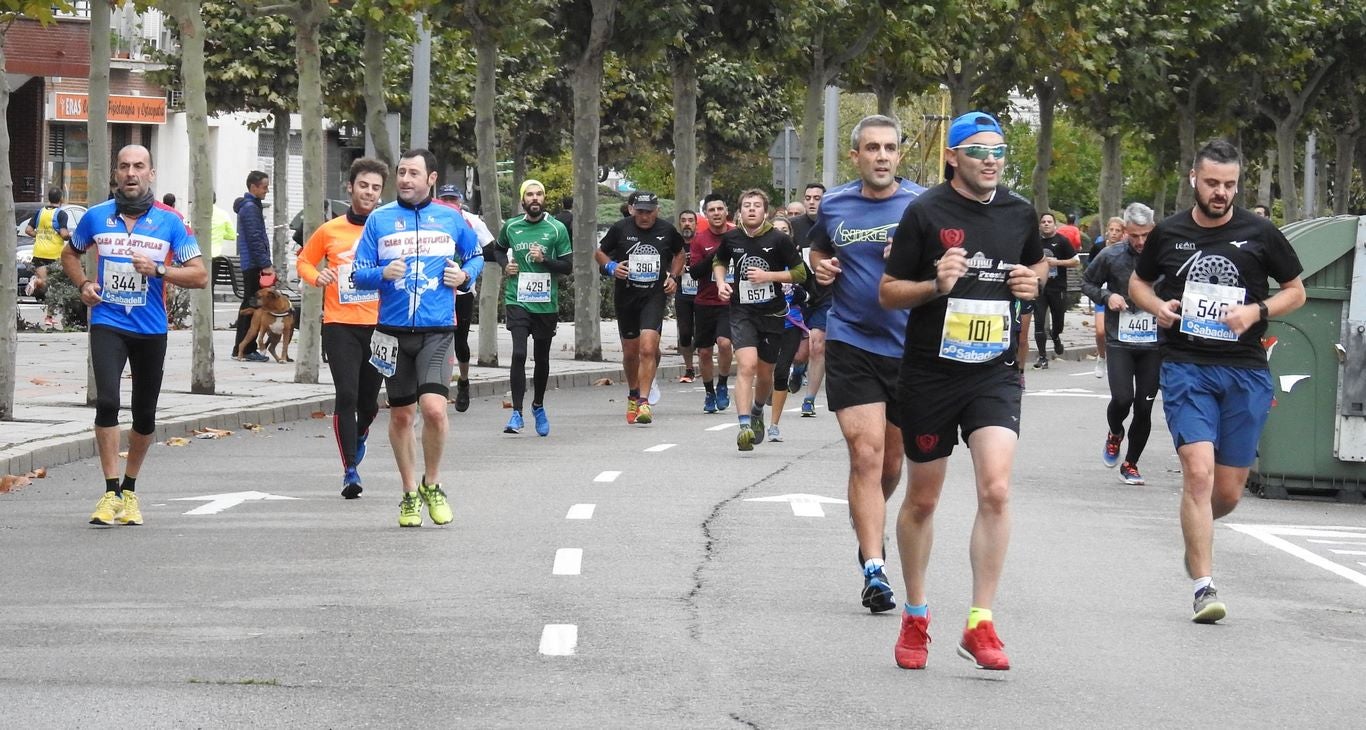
pixel 975 330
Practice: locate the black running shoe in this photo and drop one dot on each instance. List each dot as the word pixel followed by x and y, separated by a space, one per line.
pixel 462 396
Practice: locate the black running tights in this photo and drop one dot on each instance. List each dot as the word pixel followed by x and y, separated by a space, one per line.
pixel 541 373
pixel 356 381
pixel 1133 384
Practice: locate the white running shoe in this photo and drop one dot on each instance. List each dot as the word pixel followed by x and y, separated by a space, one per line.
pixel 655 392
pixel 1100 367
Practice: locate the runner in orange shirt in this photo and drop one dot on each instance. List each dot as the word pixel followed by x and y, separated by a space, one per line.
pixel 349 316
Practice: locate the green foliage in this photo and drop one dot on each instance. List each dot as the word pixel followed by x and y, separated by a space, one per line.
pixel 43 11
pixel 1075 170
pixel 63 300
pixel 652 170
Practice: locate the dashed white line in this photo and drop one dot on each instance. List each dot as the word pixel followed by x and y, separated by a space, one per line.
pixel 659 447
pixel 723 426
pixel 607 476
pixel 580 512
pixel 559 639
pixel 568 561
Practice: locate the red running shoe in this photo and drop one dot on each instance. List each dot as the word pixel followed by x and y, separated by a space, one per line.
pixel 1111 453
pixel 913 645
pixel 983 648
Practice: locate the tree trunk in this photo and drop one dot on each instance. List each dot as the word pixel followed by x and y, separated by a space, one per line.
pixel 685 132
pixel 490 206
pixel 813 110
pixel 279 186
pixel 1264 179
pixel 886 99
pixel 1345 153
pixel 704 176
pixel 376 110
pixel 97 131
pixel 1285 153
pixel 1046 93
pixel 312 13
pixel 9 285
pixel 1321 184
pixel 586 82
pixel 1111 193
pixel 961 83
pixel 1185 126
pixel 187 14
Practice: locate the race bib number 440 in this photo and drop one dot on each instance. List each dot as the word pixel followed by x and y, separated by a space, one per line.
pixel 1137 328
pixel 975 330
pixel 1203 304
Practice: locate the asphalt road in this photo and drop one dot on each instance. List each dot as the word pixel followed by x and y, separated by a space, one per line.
pixel 692 606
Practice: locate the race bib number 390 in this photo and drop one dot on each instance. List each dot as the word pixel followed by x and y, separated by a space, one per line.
pixel 643 268
pixel 384 353
pixel 975 330
pixel 1203 304
pixel 123 284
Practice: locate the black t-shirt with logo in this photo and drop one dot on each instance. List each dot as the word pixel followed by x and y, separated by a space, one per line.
pixel 771 250
pixel 1061 249
pixel 1208 269
pixel 997 236
pixel 648 253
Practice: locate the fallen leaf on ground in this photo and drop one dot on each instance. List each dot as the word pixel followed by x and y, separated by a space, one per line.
pixel 39 381
pixel 177 441
pixel 10 482
pixel 39 473
pixel 318 414
pixel 211 433
pixel 602 381
pixel 252 426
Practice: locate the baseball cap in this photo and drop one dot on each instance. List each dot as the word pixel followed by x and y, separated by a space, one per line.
pixel 971 123
pixel 644 200
pixel 449 191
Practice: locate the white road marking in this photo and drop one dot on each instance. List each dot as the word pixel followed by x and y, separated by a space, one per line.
pixel 568 561
pixel 1348 552
pixel 660 447
pixel 219 502
pixel 803 505
pixel 1336 542
pixel 1271 535
pixel 580 512
pixel 792 410
pixel 607 476
pixel 1055 394
pixel 723 426
pixel 559 639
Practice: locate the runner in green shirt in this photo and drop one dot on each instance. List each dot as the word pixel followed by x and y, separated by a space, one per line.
pixel 532 248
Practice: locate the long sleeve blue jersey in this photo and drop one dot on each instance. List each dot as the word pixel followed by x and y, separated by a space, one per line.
pixel 425 236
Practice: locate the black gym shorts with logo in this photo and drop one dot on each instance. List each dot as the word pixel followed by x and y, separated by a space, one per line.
pixel 938 404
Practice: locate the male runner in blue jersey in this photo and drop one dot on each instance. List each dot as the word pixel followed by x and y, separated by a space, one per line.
pixel 864 342
pixel 418 255
pixel 135 238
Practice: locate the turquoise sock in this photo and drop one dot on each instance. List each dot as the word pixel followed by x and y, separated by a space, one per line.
pixel 744 420
pixel 920 611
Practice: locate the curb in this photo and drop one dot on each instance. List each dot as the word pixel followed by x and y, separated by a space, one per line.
pixel 60 450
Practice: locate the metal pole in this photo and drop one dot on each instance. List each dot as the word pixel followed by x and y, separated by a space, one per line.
pixel 830 156
pixel 787 163
pixel 422 82
pixel 1310 209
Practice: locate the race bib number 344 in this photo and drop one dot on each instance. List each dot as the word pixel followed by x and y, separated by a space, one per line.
pixel 123 284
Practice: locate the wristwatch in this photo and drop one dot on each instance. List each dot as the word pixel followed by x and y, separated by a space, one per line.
pixel 1265 314
pixel 161 270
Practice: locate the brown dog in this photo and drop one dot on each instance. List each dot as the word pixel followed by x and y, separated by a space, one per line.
pixel 272 324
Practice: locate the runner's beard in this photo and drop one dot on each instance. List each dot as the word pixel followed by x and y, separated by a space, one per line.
pixel 535 209
pixel 1204 206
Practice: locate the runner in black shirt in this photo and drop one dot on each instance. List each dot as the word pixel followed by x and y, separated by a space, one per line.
pixel 763 259
pixel 1203 274
pixel 960 256
pixel 643 254
pixel 1052 304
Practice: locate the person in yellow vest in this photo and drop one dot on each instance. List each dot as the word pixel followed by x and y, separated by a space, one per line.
pixel 50 229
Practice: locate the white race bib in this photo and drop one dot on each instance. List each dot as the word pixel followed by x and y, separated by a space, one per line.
pixel 752 293
pixel 123 284
pixel 384 353
pixel 1138 328
pixel 689 287
pixel 533 287
pixel 1203 304
pixel 643 268
pixel 347 292
pixel 975 330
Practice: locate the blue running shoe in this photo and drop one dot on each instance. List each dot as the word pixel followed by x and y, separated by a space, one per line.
pixel 360 447
pixel 809 407
pixel 515 423
pixel 722 397
pixel 1110 455
pixel 877 592
pixel 542 422
pixel 351 488
pixel 710 405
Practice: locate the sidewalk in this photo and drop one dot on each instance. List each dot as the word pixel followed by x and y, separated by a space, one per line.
pixel 52 425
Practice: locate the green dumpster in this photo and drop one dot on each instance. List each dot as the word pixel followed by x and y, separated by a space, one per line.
pixel 1315 439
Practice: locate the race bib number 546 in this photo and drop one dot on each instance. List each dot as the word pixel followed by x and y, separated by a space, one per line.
pixel 1203 304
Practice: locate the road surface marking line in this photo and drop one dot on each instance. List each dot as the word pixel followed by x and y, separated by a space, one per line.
pixel 1336 542
pixel 607 476
pixel 580 512
pixel 559 639
pixel 1348 552
pixel 1263 533
pixel 723 426
pixel 568 561
pixel 659 448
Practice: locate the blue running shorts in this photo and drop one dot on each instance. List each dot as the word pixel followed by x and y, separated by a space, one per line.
pixel 1224 405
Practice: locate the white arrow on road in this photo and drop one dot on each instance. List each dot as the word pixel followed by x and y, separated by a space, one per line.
pixel 803 505
pixel 219 502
